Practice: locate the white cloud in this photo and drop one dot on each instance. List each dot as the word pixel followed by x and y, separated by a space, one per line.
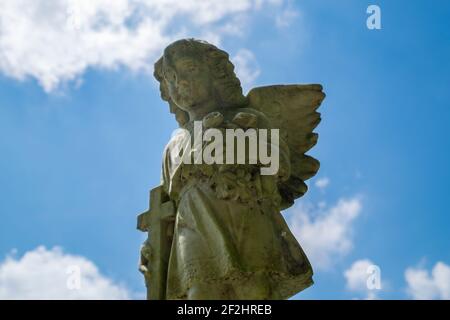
pixel 286 17
pixel 52 274
pixel 247 68
pixel 56 41
pixel 322 183
pixel 358 275
pixel 423 285
pixel 325 233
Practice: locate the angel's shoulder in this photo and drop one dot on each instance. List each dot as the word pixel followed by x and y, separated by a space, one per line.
pixel 178 137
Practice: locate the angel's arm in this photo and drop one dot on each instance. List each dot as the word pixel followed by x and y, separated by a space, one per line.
pixel 276 142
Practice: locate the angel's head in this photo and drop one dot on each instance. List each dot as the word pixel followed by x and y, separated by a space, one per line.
pixel 196 75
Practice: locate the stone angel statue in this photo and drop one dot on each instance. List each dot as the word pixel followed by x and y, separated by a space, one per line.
pixel 216 230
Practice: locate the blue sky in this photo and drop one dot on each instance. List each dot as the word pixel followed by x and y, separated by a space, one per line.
pixel 81 147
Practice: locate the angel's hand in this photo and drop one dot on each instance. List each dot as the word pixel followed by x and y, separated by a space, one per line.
pixel 212 120
pixel 145 257
pixel 246 120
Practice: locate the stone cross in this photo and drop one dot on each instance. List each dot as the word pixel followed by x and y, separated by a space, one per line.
pixel 158 221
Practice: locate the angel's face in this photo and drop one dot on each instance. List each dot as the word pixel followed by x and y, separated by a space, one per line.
pixel 188 80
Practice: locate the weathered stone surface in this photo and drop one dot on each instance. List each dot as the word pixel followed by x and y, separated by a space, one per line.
pixel 215 230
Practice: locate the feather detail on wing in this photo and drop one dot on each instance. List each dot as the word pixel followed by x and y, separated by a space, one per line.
pixel 293 109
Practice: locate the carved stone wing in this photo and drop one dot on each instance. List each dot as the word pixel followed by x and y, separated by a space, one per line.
pixel 293 110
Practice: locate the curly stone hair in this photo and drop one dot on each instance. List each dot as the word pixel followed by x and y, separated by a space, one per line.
pixel 226 84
